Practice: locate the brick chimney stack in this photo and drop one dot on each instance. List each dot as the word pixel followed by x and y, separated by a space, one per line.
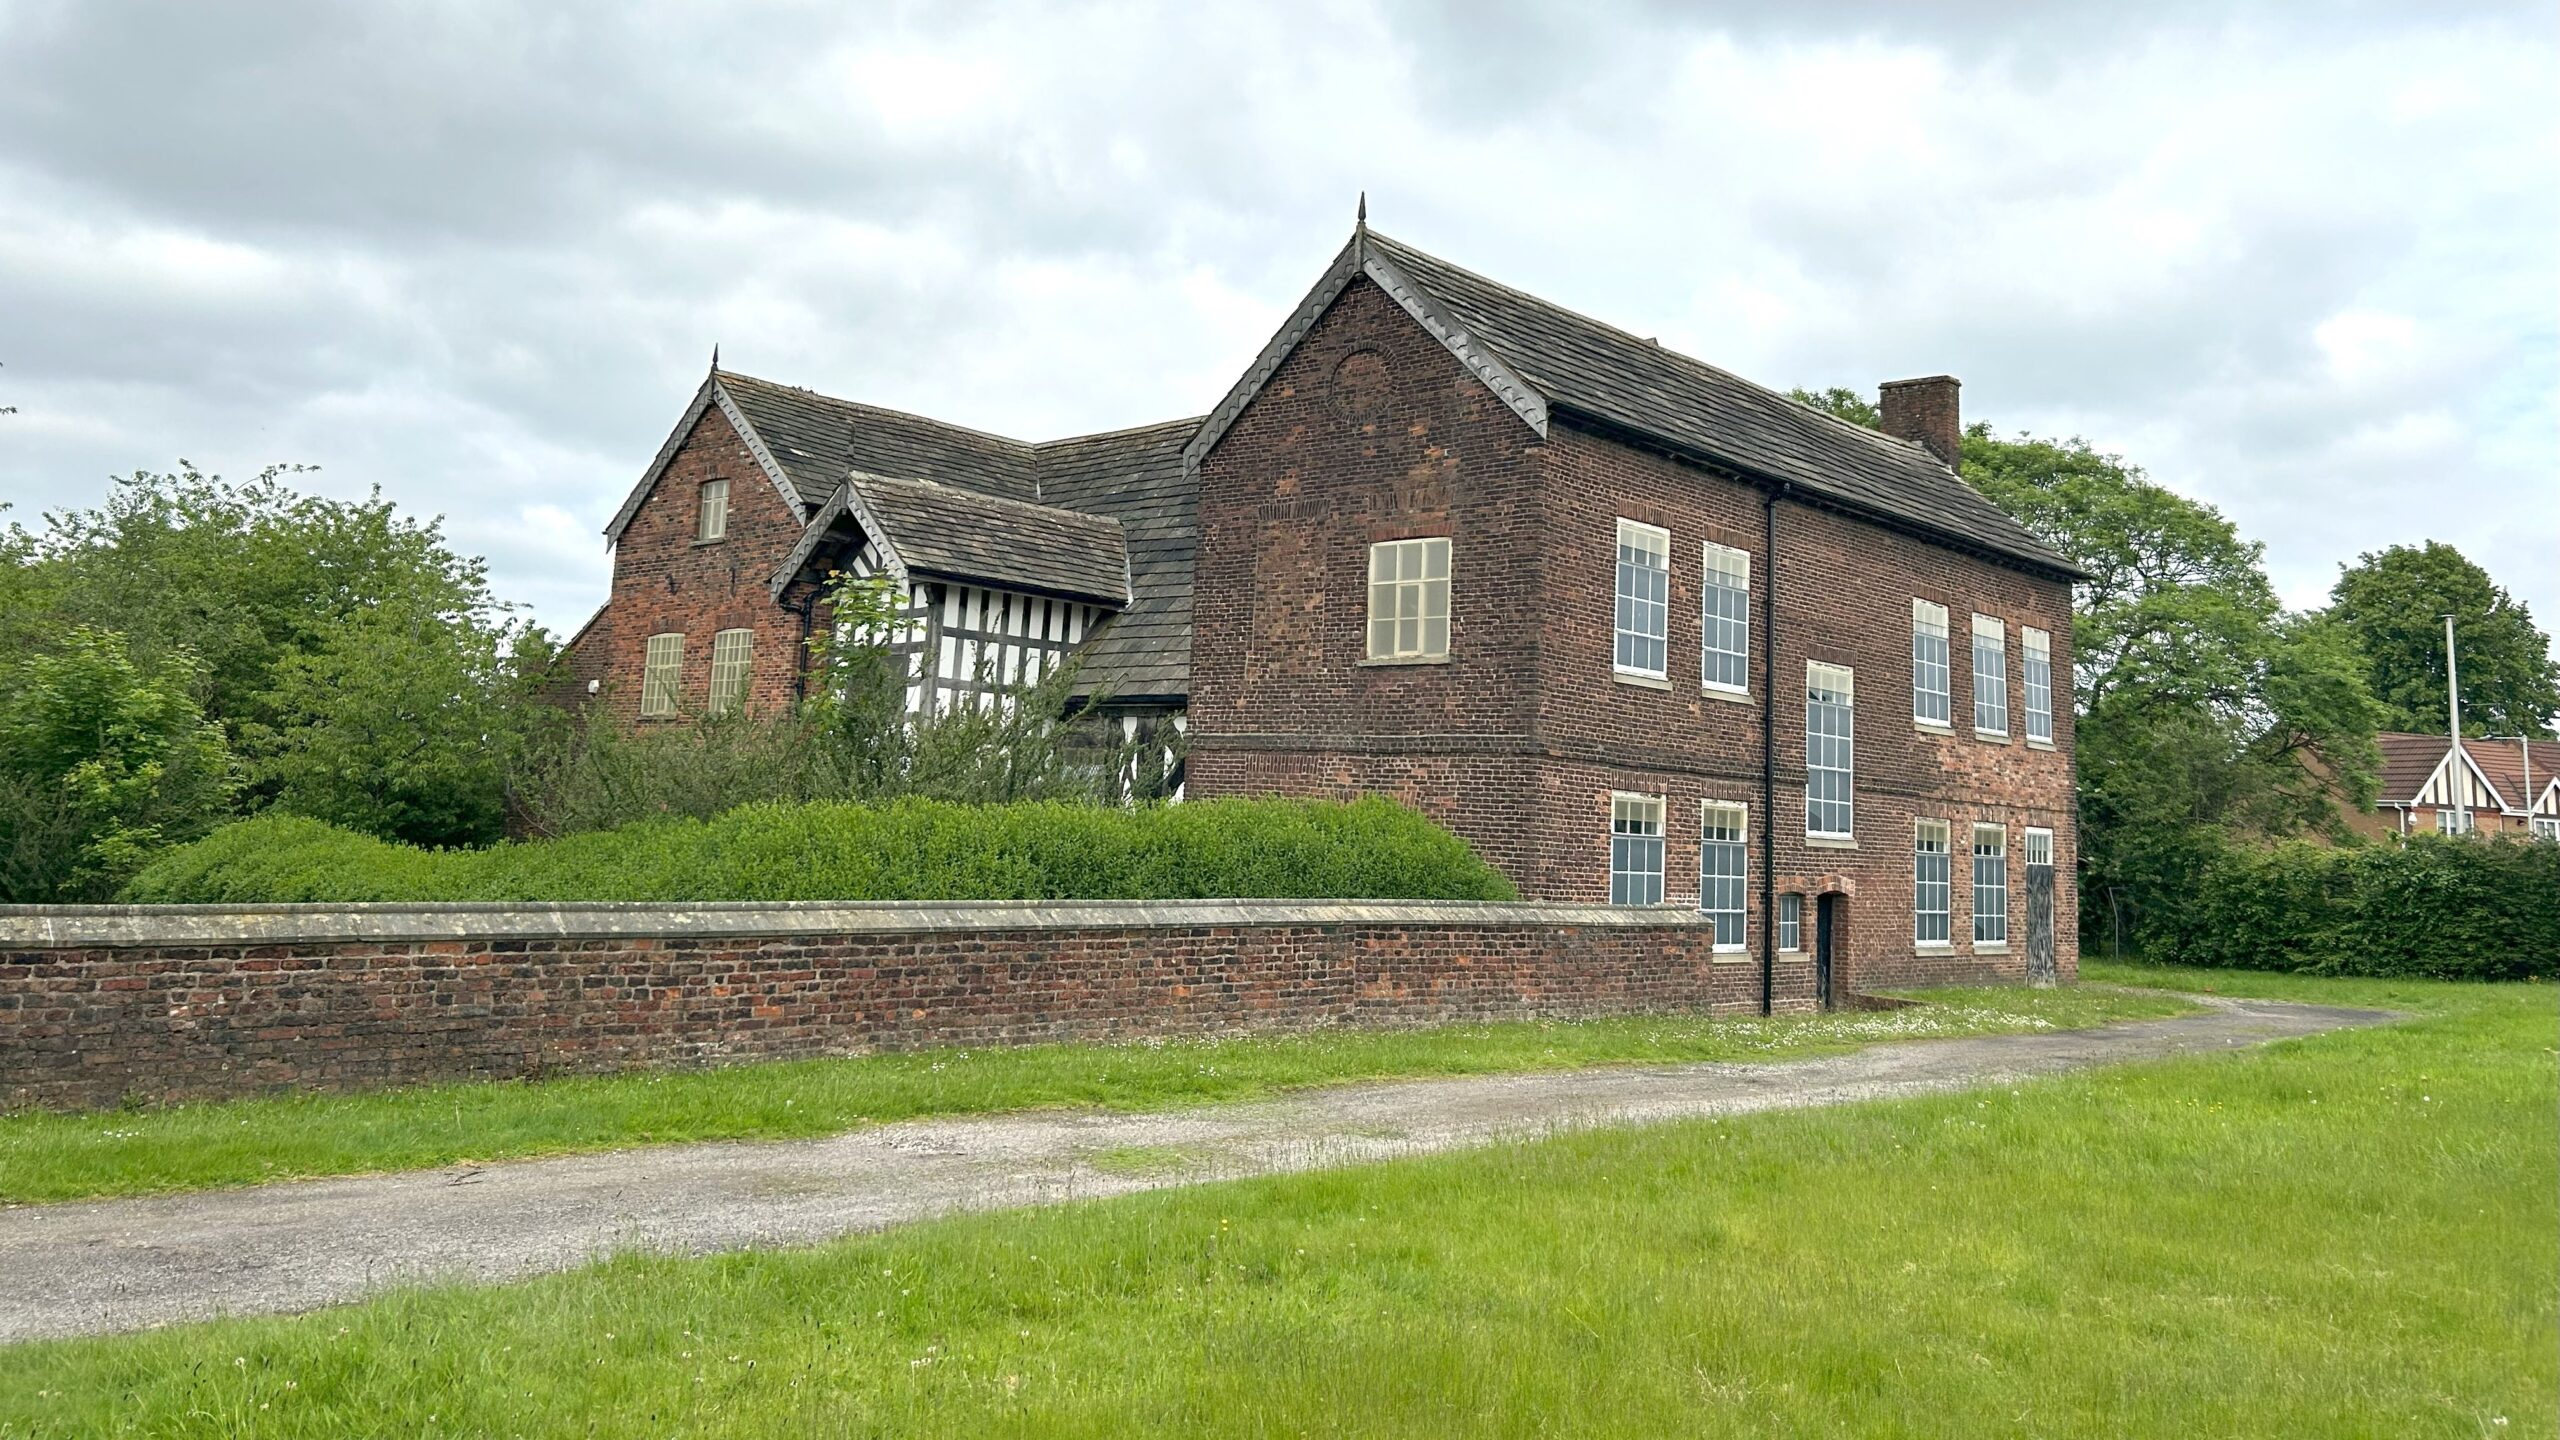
pixel 1925 410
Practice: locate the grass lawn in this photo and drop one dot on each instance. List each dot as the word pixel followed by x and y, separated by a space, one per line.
pixel 2355 1234
pixel 52 1156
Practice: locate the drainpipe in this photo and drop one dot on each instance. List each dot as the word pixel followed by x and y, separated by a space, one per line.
pixel 1769 753
pixel 808 608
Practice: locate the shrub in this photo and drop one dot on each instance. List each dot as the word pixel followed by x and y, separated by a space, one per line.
pixel 902 850
pixel 2460 909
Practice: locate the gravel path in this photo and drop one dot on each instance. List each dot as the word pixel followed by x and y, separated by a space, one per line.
pixel 108 1265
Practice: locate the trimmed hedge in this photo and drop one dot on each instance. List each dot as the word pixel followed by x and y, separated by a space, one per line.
pixel 2454 909
pixel 903 850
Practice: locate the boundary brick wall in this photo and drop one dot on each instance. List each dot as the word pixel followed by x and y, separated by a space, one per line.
pixel 102 1004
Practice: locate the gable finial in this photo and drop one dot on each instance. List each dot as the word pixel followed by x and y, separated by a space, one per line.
pixel 1361 219
pixel 715 354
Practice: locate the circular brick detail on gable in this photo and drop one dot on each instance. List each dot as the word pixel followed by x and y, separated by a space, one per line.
pixel 1360 386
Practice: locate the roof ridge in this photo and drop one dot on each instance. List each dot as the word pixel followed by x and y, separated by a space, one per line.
pixel 1870 435
pixel 1192 421
pixel 874 477
pixel 865 405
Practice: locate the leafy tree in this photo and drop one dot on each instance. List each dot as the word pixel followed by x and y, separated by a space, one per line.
pixel 102 762
pixel 393 725
pixel 2393 602
pixel 346 649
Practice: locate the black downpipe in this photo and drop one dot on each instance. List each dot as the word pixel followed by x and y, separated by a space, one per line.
pixel 1769 755
pixel 808 608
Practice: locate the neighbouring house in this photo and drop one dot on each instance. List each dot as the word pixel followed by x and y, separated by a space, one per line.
pixel 2493 787
pixel 1640 630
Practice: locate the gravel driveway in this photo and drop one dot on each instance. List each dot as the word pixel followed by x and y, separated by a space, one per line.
pixel 100 1266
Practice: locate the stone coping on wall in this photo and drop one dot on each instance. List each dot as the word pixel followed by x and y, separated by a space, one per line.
pixel 85 927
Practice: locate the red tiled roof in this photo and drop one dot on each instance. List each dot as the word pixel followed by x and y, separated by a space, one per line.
pixel 2407 761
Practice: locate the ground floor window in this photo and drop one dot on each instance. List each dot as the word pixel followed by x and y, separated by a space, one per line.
pixel 1791 922
pixel 2453 822
pixel 1990 885
pixel 732 661
pixel 1723 869
pixel 2546 827
pixel 661 667
pixel 1635 850
pixel 1932 886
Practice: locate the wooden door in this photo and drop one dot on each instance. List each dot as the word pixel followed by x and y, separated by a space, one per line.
pixel 2040 962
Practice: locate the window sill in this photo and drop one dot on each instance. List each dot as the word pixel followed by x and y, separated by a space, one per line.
pixel 1373 662
pixel 1831 842
pixel 1725 694
pixel 1932 727
pixel 1931 949
pixel 1641 680
pixel 1991 947
pixel 714 540
pixel 1731 957
pixel 1992 737
pixel 2039 744
pixel 1785 953
pixel 1736 952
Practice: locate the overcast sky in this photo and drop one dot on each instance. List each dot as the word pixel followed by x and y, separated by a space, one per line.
pixel 2298 261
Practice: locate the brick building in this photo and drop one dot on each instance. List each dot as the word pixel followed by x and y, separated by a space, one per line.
pixel 1639 630
pixel 2503 787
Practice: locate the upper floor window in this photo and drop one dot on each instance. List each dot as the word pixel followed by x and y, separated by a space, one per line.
pixel 711 518
pixel 1791 922
pixel 661 671
pixel 1723 870
pixel 1990 676
pixel 2035 670
pixel 732 661
pixel 1409 599
pixel 1929 665
pixel 1932 884
pixel 1644 600
pixel 1725 619
pixel 1990 885
pixel 1635 849
pixel 1830 750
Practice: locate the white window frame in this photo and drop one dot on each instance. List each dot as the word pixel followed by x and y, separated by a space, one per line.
pixel 1991 922
pixel 1929 628
pixel 733 663
pixel 661 675
pixel 2035 675
pixel 1990 677
pixel 1926 887
pixel 2450 821
pixel 1412 595
pixel 1629 816
pixel 1714 889
pixel 711 511
pixel 1641 539
pixel 1791 923
pixel 1838 681
pixel 2545 827
pixel 1724 610
pixel 2039 841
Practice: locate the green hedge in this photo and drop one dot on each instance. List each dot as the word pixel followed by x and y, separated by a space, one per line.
pixel 903 850
pixel 2456 909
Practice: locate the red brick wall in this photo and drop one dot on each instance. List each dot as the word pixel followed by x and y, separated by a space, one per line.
pixel 663 580
pixel 93 1027
pixel 1518 741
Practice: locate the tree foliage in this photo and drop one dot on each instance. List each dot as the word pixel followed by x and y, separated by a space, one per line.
pixel 102 762
pixel 2392 604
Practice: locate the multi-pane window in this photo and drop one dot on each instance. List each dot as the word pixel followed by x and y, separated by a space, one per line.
pixel 732 661
pixel 2035 669
pixel 711 520
pixel 2450 821
pixel 1932 884
pixel 1409 599
pixel 1990 885
pixel 1790 922
pixel 2546 827
pixel 1644 600
pixel 661 670
pixel 1929 674
pixel 1725 619
pixel 1990 676
pixel 1635 850
pixel 2039 848
pixel 1830 749
pixel 1723 870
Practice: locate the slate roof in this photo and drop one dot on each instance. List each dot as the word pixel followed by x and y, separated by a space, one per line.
pixel 944 530
pixel 1136 477
pixel 1605 373
pixel 817 438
